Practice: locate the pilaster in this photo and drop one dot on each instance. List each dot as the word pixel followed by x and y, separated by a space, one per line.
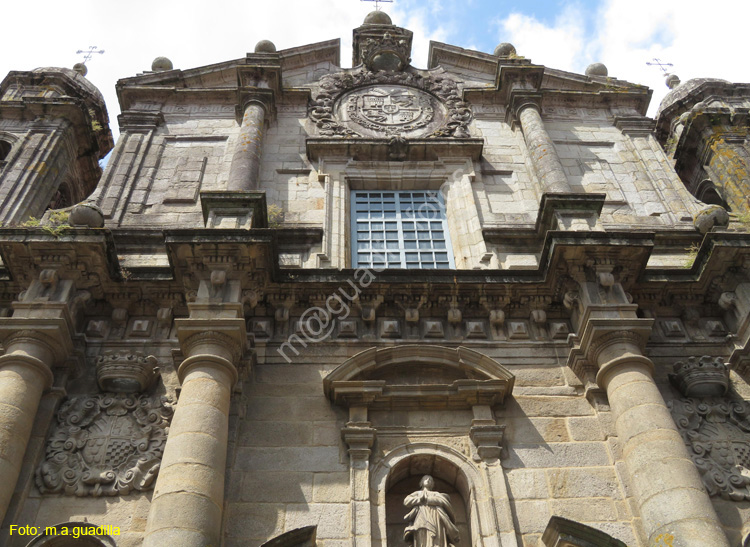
pixel 359 436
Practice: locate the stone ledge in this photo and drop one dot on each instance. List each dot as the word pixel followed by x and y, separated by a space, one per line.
pixel 379 149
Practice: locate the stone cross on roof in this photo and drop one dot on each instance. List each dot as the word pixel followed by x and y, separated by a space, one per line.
pixel 377 2
pixel 662 65
pixel 88 53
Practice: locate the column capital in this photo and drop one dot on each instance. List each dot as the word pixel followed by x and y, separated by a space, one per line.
pixel 602 340
pixel 264 98
pixel 520 101
pixel 225 339
pixel 359 437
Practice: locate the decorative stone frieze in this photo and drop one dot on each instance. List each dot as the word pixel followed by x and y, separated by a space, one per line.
pixel 105 445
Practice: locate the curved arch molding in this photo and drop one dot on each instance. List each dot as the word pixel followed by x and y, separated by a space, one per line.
pixel 417 376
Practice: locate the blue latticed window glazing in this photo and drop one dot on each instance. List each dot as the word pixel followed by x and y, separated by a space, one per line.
pixel 400 230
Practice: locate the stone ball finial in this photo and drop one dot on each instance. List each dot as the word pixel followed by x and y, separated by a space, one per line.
pixel 378 18
pixel 672 81
pixel 81 69
pixel 161 64
pixel 265 46
pixel 87 214
pixel 597 69
pixel 710 216
pixel 505 49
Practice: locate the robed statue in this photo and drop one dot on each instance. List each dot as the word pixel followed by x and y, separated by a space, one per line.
pixel 431 519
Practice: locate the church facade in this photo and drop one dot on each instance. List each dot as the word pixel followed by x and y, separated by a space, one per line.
pixel 301 296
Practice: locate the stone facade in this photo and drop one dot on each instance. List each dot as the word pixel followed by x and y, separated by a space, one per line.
pixel 222 339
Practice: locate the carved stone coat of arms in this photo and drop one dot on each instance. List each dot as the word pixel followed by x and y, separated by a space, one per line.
pixel 108 444
pixel 390 110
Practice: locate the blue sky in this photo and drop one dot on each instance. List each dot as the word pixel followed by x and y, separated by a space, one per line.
pixel 623 34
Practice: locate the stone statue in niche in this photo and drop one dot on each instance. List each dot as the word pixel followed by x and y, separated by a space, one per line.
pixel 431 519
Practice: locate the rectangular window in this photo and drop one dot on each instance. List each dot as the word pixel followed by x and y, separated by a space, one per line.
pixel 400 230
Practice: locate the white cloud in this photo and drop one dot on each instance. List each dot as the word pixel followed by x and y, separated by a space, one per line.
pixel 560 45
pixel 625 34
pixel 191 33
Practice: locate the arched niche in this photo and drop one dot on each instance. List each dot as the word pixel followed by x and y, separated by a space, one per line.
pixel 481 504
pixel 399 376
pixel 428 378
pixel 708 193
pixel 299 537
pixel 5 147
pixel 89 535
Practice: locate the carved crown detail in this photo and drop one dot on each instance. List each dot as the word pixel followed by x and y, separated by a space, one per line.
pixel 125 372
pixel 374 52
pixel 702 377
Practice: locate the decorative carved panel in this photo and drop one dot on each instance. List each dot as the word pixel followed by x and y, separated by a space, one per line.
pixel 108 444
pixel 717 433
pixel 391 104
pixel 385 111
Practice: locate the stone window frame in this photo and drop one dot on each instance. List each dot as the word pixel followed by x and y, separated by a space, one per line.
pixel 451 177
pixel 432 220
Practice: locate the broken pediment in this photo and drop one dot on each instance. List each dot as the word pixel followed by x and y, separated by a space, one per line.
pixel 414 376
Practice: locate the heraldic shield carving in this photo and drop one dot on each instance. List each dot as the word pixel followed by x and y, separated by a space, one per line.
pixel 716 430
pixel 717 434
pixel 105 445
pixel 391 110
pixel 412 104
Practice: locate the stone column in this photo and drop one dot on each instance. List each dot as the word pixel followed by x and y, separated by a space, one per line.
pixel 666 484
pixel 542 150
pixel 24 373
pixel 36 337
pixel 245 169
pixel 186 508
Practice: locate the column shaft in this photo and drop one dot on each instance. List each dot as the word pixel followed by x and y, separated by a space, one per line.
pixel 22 380
pixel 667 486
pixel 542 150
pixel 188 499
pixel 245 169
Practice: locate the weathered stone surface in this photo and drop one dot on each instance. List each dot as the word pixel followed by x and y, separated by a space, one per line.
pixel 577 278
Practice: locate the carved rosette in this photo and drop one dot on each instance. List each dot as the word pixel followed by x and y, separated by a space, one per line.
pixel 323 107
pixel 105 445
